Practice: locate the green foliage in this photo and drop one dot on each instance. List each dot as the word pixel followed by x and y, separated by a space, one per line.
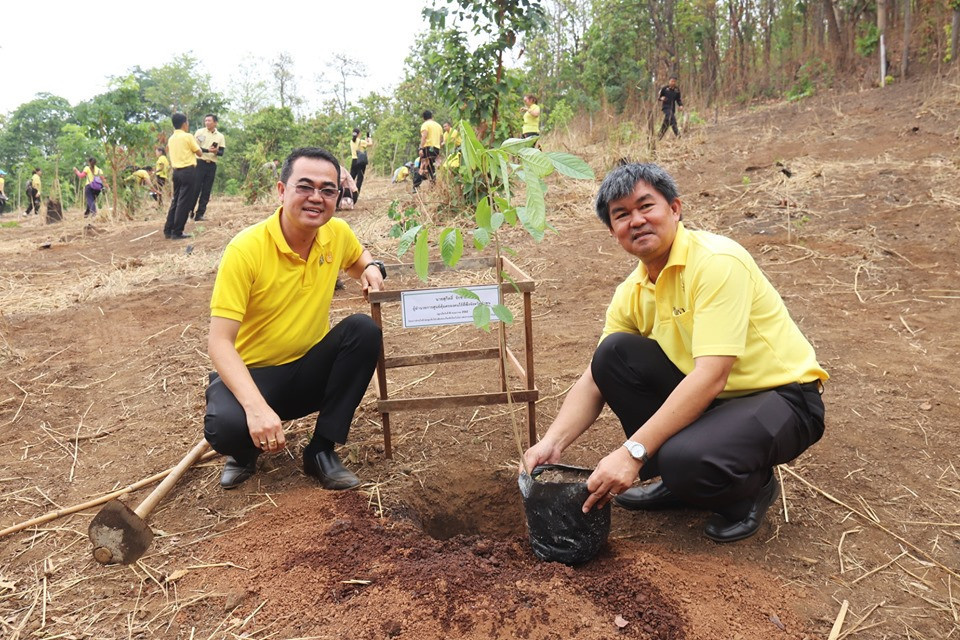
pixel 868 40
pixel 807 78
pixel 402 220
pixel 232 187
pixel 486 177
pixel 560 115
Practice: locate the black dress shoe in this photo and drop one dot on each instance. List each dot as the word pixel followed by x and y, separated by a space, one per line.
pixel 234 474
pixel 651 497
pixel 325 466
pixel 198 218
pixel 180 236
pixel 720 529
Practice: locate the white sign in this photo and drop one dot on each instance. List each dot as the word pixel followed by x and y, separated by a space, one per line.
pixel 436 307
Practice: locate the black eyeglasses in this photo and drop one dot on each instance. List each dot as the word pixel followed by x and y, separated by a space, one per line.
pixel 307 191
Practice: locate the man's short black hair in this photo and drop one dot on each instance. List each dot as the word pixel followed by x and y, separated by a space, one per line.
pixel 210 115
pixel 92 159
pixel 623 180
pixel 427 114
pixel 161 150
pixel 308 152
pixel 178 119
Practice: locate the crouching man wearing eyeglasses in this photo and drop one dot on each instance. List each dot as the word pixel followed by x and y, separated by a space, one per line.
pixel 275 355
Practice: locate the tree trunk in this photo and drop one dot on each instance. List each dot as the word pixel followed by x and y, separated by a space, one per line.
pixel 834 35
pixel 881 50
pixel 904 58
pixel 955 35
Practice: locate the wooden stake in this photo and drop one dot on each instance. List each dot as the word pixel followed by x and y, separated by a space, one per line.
pixel 838 623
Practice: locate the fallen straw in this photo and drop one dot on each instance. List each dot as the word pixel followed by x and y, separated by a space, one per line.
pixel 59 513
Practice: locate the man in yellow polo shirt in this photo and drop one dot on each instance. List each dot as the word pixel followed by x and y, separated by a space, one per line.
pixel 212 145
pixel 712 380
pixel 184 152
pixel 275 355
pixel 431 137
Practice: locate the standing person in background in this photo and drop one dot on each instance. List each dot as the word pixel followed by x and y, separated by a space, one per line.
pixel 33 193
pixel 161 172
pixel 3 194
pixel 184 152
pixel 92 187
pixel 358 159
pixel 431 137
pixel 212 145
pixel 669 101
pixel 531 116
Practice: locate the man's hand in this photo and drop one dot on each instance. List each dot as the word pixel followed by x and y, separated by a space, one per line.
pixel 371 280
pixel 614 475
pixel 544 452
pixel 266 429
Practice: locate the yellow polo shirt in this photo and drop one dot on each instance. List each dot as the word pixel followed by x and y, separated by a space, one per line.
pixel 140 175
pixel 281 301
pixel 183 149
pixel 711 299
pixel 360 144
pixel 2 182
pixel 163 167
pixel 89 175
pixel 434 133
pixel 531 119
pixel 206 138
pixel 451 138
pixel 35 181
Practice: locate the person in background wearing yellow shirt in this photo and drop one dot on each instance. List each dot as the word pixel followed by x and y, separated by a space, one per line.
pixel 33 193
pixel 712 381
pixel 275 355
pixel 142 179
pixel 184 152
pixel 212 144
pixel 402 172
pixel 3 194
pixel 92 187
pixel 358 159
pixel 162 169
pixel 531 116
pixel 431 137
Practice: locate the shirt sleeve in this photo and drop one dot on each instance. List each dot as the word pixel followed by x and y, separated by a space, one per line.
pixel 192 142
pixel 351 247
pixel 679 101
pixel 723 295
pixel 231 290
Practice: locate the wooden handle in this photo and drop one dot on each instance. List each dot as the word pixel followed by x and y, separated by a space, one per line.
pixel 164 487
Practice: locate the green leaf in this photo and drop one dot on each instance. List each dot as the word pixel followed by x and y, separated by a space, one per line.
pixel 481 316
pixel 466 293
pixel 483 213
pixel 511 214
pixel 407 239
pixel 481 238
pixel 496 220
pixel 506 178
pixel 514 145
pixel 472 148
pixel 503 314
pixel 421 257
pixel 506 276
pixel 534 216
pixel 451 246
pixel 570 165
pixel 536 162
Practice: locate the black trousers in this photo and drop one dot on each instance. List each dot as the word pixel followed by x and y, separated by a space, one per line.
pixel 184 195
pixel 357 170
pixel 33 201
pixel 430 155
pixel 206 172
pixel 723 458
pixel 669 120
pixel 331 378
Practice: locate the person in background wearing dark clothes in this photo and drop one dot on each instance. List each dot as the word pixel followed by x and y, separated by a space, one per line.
pixel 669 102
pixel 184 152
pixel 358 160
pixel 33 193
pixel 212 146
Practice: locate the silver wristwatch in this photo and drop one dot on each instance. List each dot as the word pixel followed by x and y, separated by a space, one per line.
pixel 637 451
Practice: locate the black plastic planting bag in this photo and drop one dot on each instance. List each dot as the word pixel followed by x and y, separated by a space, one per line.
pixel 559 529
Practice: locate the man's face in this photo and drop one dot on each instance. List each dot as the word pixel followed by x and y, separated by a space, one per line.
pixel 209 123
pixel 311 211
pixel 673 83
pixel 645 224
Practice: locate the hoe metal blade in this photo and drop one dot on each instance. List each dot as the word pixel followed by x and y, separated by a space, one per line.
pixel 119 535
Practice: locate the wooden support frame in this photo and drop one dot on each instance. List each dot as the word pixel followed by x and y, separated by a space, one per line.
pixel 522 284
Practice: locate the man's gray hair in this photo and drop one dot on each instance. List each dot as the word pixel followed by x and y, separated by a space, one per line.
pixel 621 182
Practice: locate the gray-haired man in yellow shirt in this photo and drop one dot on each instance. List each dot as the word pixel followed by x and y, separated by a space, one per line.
pixel 713 382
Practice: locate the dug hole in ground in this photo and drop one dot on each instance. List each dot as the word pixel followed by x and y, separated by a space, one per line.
pixel 104 367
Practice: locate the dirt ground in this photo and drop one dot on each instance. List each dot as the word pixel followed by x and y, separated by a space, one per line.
pixel 849 203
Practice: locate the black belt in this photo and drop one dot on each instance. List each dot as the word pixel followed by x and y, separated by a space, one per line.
pixel 816 385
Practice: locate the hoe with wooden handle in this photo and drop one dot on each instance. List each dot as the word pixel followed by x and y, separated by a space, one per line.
pixel 120 535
